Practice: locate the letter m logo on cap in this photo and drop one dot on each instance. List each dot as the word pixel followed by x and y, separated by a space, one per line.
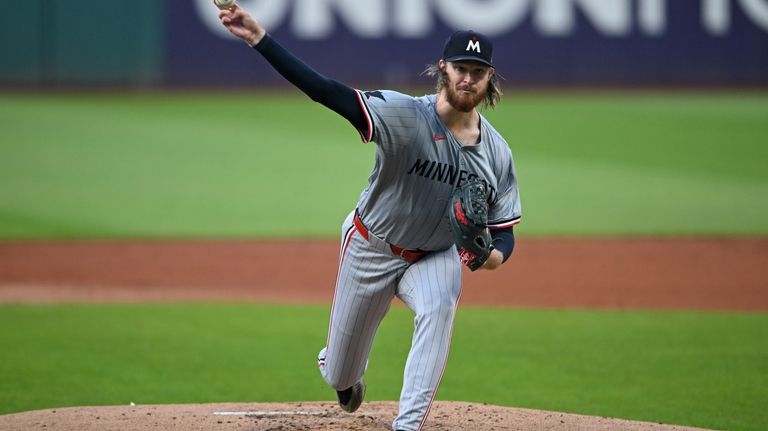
pixel 473 45
pixel 468 46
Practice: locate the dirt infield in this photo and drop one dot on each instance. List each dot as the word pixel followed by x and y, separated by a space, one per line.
pixel 445 416
pixel 695 274
pixel 698 274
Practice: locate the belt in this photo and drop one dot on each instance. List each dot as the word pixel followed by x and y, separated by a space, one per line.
pixel 410 256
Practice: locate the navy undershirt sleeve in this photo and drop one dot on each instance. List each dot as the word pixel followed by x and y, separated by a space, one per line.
pixel 504 241
pixel 339 97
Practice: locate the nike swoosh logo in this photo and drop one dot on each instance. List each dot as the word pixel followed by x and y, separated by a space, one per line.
pixel 438 138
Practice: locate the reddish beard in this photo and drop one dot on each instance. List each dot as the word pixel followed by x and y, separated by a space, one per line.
pixel 464 102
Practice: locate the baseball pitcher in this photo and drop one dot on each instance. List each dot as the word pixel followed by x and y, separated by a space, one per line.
pixel 442 193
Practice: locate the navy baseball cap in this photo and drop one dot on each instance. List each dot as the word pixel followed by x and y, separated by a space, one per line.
pixel 468 45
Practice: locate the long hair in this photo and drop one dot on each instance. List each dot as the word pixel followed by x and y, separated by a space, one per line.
pixel 492 97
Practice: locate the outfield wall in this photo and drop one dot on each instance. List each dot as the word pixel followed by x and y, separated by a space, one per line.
pixel 388 42
pixel 60 42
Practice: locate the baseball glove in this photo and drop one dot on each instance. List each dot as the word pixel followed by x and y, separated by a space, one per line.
pixel 469 220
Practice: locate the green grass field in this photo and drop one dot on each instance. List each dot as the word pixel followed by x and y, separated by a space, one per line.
pixel 176 165
pixel 701 369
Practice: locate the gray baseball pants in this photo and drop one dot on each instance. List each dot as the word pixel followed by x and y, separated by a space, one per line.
pixel 370 276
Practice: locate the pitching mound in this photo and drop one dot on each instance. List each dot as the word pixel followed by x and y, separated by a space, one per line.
pixel 376 416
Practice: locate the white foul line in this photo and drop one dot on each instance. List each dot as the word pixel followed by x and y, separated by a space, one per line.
pixel 272 413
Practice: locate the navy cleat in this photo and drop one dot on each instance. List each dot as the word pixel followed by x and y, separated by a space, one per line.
pixel 351 398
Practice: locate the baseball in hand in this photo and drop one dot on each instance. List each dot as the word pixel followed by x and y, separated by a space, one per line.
pixel 224 4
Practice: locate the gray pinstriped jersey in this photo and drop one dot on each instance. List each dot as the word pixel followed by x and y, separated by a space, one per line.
pixel 419 163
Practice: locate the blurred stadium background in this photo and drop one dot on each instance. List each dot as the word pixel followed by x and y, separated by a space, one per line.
pixel 146 43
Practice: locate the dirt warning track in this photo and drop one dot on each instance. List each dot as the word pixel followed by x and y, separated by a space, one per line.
pixel 673 273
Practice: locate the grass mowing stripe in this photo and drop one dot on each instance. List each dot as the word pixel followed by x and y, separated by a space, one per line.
pixel 700 369
pixel 705 133
pixel 123 165
pixel 704 202
pixel 184 171
pixel 75 355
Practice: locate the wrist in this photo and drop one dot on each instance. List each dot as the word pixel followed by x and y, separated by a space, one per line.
pixel 257 37
pixel 257 44
pixel 495 259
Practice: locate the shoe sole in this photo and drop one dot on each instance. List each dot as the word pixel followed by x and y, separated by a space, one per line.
pixel 356 399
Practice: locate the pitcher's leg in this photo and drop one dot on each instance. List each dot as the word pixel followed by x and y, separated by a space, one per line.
pixel 431 289
pixel 365 287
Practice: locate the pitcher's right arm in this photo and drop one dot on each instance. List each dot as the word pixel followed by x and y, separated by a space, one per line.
pixel 333 94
